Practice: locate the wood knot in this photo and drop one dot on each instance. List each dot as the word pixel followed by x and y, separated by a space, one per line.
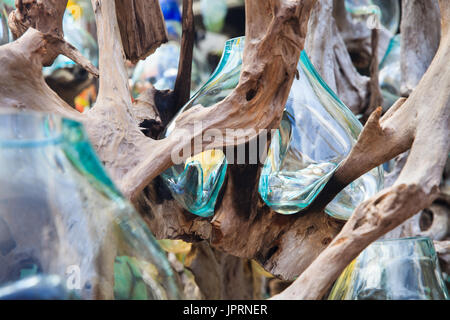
pixel 250 94
pixel 339 241
pixel 310 230
pixel 326 241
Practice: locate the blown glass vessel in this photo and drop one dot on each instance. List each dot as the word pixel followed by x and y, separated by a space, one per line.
pixel 195 184
pixel 386 11
pixel 5 33
pixel 397 269
pixel 214 13
pixel 61 216
pixel 316 133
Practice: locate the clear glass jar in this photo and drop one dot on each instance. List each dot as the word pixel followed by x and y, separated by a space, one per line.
pixel 316 133
pixel 196 183
pixel 396 269
pixel 61 216
pixel 5 33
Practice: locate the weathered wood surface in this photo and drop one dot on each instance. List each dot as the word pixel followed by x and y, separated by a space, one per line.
pixel 142 27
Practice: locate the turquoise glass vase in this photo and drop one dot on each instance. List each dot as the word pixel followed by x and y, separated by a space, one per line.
pixel 62 217
pixel 395 269
pixel 196 183
pixel 390 73
pixel 316 133
pixel 386 11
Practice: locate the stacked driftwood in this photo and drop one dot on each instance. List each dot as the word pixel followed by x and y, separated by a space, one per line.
pixel 311 244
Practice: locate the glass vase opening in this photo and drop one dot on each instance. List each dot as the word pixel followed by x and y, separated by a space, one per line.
pixel 394 269
pixel 196 183
pixel 62 218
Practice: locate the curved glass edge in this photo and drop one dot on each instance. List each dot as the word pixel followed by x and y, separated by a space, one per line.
pixel 348 113
pixel 290 208
pixel 394 241
pixel 200 208
pixel 394 44
pixel 136 228
pixel 301 205
pixel 342 286
pixel 74 142
pixel 234 44
pixel 80 152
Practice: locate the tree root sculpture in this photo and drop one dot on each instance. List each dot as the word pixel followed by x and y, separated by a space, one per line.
pixel 311 244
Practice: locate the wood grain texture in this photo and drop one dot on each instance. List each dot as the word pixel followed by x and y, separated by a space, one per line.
pixel 46 16
pixel 422 123
pixel 243 226
pixel 420 40
pixel 142 27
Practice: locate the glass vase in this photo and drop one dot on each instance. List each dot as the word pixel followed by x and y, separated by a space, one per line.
pixel 390 73
pixel 5 33
pixel 396 269
pixel 316 133
pixel 196 183
pixel 61 216
pixel 386 11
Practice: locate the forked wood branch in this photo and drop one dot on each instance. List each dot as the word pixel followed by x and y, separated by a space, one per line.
pixel 421 122
pixel 276 32
pixel 46 16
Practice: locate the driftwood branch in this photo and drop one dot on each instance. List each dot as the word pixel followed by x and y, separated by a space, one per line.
pixel 285 245
pixel 420 40
pixel 169 102
pixel 142 27
pixel 328 52
pixel 182 88
pixel 422 123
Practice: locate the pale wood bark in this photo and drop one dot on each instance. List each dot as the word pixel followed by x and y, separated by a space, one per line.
pixel 420 30
pixel 327 51
pixel 421 122
pixel 133 160
pixel 142 27
pixel 285 245
pixel 46 16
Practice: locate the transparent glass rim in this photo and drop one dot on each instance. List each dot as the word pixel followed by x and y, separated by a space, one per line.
pixel 407 239
pixel 235 43
pixel 52 126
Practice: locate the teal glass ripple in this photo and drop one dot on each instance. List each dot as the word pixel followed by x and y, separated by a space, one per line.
pixel 393 269
pixel 196 183
pixel 61 216
pixel 316 133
